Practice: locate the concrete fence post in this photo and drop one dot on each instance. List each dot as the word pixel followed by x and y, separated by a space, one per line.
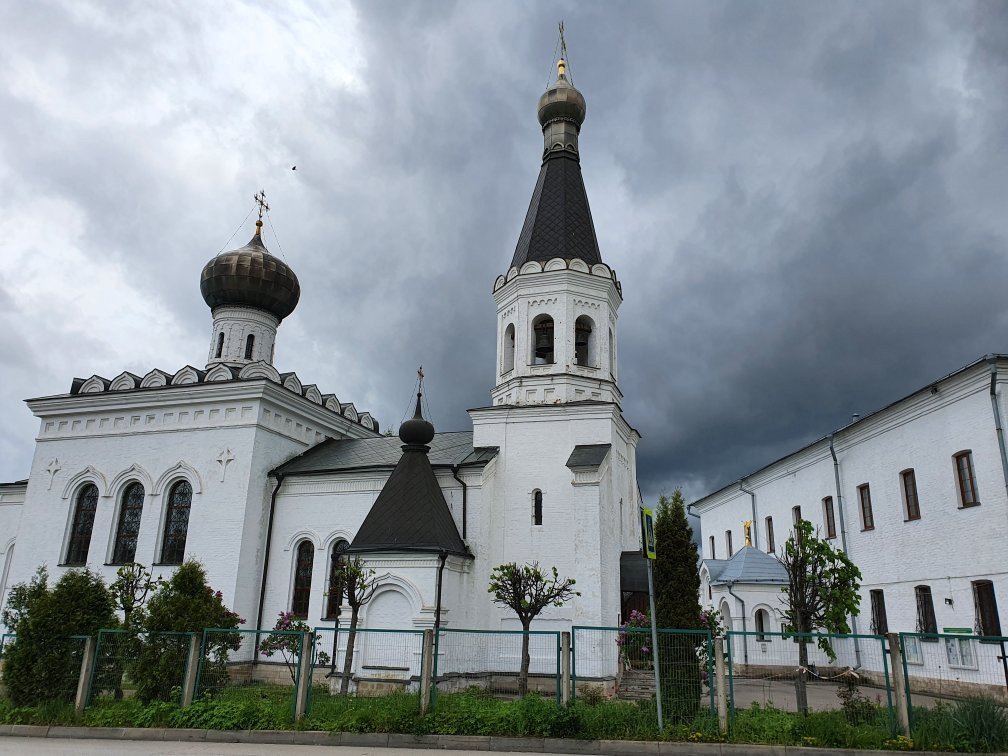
pixel 426 671
pixel 721 685
pixel 193 659
pixel 84 678
pixel 305 668
pixel 896 680
pixel 565 667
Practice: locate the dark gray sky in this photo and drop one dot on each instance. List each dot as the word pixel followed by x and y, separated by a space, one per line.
pixel 805 202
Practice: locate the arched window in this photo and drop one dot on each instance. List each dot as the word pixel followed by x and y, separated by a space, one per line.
pixel 83 522
pixel 220 345
pixel 584 342
pixel 769 536
pixel 176 524
pixel 762 623
pixel 508 348
pixel 334 594
pixel 249 345
pixel 537 507
pixel 130 512
pixel 542 340
pixel 302 579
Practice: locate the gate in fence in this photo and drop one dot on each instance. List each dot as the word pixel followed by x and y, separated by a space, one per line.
pixel 943 667
pixel 617 662
pixel 151 666
pixel 491 660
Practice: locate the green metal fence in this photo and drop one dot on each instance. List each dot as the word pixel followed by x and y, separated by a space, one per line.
pixel 944 667
pixel 250 665
pixel 491 661
pixel 365 662
pixel 618 662
pixel 767 669
pixel 151 666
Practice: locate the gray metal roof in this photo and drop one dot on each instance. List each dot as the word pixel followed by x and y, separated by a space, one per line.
pixel 335 455
pixel 714 567
pixel 588 455
pixel 749 565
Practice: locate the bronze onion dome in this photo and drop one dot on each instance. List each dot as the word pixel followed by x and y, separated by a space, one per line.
pixel 416 431
pixel 251 277
pixel 562 101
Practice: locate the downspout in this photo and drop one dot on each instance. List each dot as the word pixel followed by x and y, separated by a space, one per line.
pixel 266 556
pixel 745 639
pixel 465 491
pixel 443 556
pixel 997 420
pixel 754 530
pixel 843 543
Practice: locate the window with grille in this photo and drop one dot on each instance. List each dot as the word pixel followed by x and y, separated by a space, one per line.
pixel 128 527
pixel 302 579
pixel 769 536
pixel 828 517
pixel 176 525
pixel 912 504
pixel 334 594
pixel 864 498
pixel 82 525
pixel 988 623
pixel 967 482
pixel 879 621
pixel 926 621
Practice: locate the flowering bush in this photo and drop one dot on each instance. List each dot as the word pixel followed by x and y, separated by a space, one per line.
pixel 710 618
pixel 634 640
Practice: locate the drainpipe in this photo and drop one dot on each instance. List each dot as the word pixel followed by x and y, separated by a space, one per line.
pixel 266 556
pixel 465 491
pixel 843 542
pixel 754 530
pixel 745 642
pixel 443 556
pixel 997 420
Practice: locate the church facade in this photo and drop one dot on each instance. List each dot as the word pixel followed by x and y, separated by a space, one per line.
pixel 266 479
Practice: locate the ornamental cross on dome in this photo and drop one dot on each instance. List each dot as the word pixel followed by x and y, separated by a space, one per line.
pixel 260 199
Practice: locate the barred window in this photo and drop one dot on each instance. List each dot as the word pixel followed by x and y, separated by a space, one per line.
pixel 987 621
pixel 83 523
pixel 128 528
pixel 909 481
pixel 334 595
pixel 864 497
pixel 828 517
pixel 302 579
pixel 176 525
pixel 769 536
pixel 879 620
pixel 967 483
pixel 926 621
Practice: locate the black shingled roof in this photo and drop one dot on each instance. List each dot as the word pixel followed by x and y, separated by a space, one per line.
pixel 559 222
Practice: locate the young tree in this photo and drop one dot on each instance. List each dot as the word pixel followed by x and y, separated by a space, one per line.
pixel 677 606
pixel 822 592
pixel 287 645
pixel 527 591
pixel 130 588
pixel 358 582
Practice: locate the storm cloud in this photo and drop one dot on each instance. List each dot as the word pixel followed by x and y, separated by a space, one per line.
pixel 804 202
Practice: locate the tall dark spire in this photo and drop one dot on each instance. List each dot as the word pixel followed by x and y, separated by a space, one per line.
pixel 559 222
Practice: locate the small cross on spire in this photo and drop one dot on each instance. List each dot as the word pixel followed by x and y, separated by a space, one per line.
pixel 420 379
pixel 260 199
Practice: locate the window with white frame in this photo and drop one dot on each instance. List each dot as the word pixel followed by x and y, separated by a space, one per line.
pixel 960 652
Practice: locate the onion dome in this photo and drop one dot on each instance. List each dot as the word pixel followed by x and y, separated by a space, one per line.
pixel 562 101
pixel 251 277
pixel 416 431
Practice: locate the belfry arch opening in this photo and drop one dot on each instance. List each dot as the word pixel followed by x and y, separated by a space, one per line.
pixel 508 349
pixel 542 340
pixel 584 342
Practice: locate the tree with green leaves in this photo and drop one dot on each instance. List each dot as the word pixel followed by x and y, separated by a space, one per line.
pixel 822 592
pixel 677 606
pixel 358 583
pixel 130 589
pixel 527 591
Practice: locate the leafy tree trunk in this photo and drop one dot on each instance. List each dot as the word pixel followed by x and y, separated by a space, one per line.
pixel 525 661
pixel 801 693
pixel 348 659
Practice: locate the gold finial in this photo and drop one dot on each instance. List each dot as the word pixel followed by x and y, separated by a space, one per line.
pixel 561 68
pixel 747 527
pixel 260 199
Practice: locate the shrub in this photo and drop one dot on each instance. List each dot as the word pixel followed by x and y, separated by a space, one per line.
pixel 979 724
pixel 858 708
pixel 43 663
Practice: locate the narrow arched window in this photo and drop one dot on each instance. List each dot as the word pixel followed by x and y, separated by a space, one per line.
pixel 302 579
pixel 507 361
pixel 220 345
pixel 537 507
pixel 176 524
pixel 334 595
pixel 612 354
pixel 82 524
pixel 542 340
pixel 249 346
pixel 128 528
pixel 762 622
pixel 584 341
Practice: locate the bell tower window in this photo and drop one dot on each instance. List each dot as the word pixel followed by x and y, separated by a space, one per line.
pixel 537 507
pixel 584 342
pixel 542 331
pixel 249 346
pixel 507 363
pixel 220 346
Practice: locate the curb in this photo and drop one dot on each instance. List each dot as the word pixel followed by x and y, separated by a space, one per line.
pixel 437 742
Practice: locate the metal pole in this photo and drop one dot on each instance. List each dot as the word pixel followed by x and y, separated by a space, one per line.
pixel 654 648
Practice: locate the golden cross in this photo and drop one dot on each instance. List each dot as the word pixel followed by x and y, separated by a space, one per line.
pixel 260 199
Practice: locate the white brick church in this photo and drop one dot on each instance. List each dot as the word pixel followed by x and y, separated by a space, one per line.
pixel 262 476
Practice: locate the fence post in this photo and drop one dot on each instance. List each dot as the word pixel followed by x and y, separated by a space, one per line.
pixel 84 679
pixel 192 669
pixel 720 685
pixel 426 671
pixel 900 698
pixel 305 664
pixel 565 667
